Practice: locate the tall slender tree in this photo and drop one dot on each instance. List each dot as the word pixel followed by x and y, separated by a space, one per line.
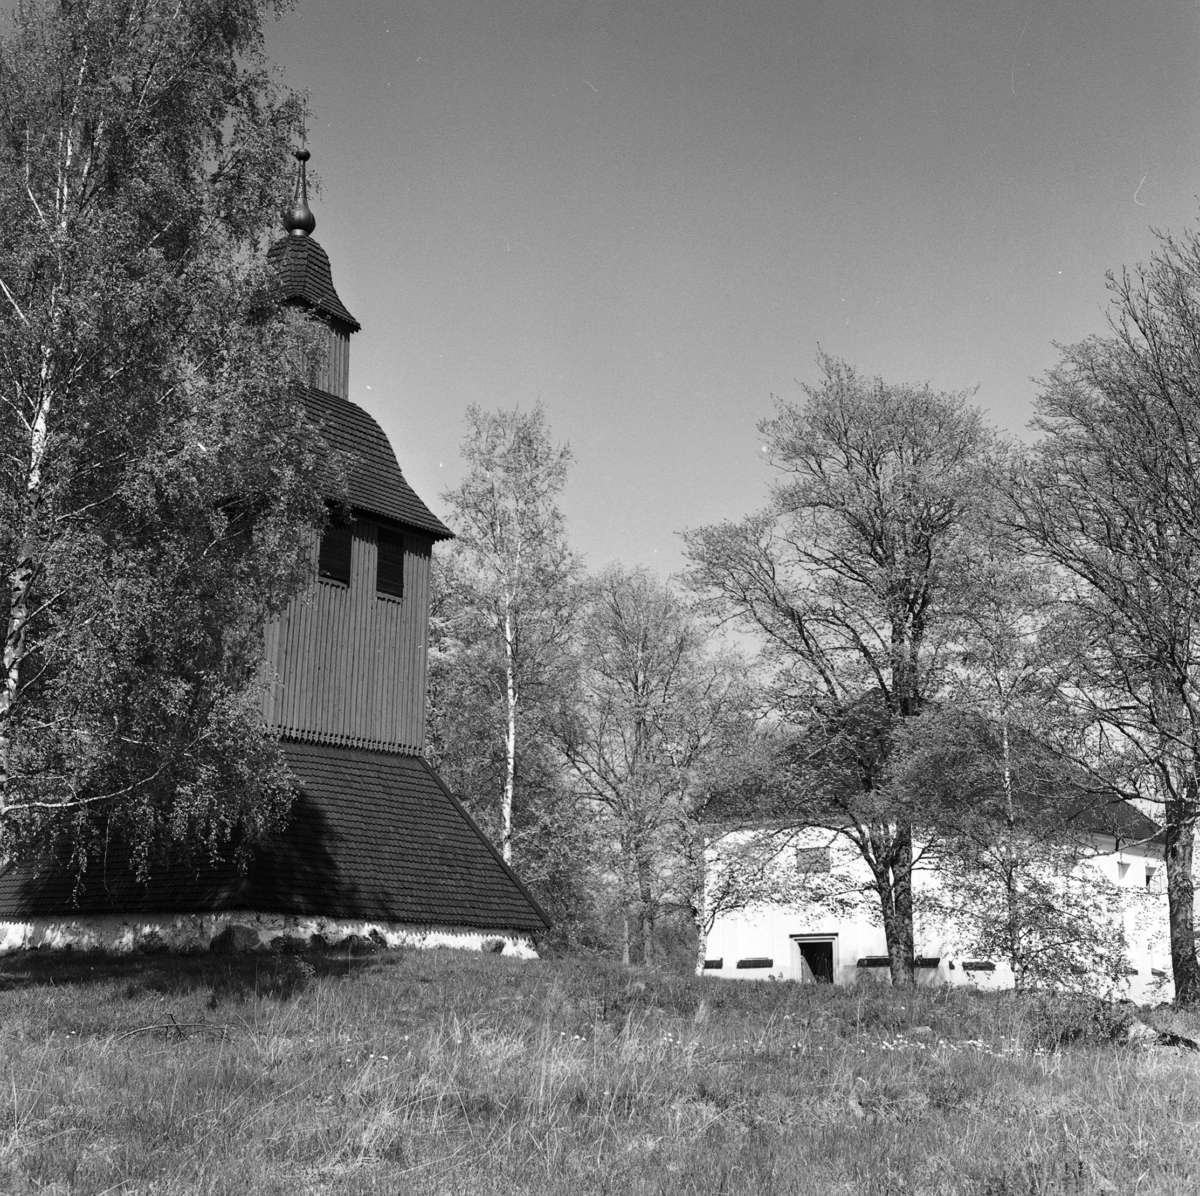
pixel 508 584
pixel 466 741
pixel 852 577
pixel 1111 499
pixel 157 474
pixel 983 765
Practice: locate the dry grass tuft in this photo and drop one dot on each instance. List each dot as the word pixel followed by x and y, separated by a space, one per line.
pixel 444 1072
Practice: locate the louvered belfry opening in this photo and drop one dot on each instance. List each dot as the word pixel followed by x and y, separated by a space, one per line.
pixel 335 553
pixel 389 564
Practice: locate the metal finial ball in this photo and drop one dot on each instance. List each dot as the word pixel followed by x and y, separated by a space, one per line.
pixel 300 221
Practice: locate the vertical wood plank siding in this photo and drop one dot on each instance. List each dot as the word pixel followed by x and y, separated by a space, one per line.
pixel 350 666
pixel 334 376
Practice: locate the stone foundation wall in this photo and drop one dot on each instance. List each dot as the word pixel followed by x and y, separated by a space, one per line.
pixel 194 933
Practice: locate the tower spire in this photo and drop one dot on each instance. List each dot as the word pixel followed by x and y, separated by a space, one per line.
pixel 299 220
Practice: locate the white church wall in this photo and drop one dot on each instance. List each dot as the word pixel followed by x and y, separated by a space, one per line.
pixel 765 940
pixel 194 933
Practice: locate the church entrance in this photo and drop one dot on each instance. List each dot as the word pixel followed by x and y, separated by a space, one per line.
pixel 816 957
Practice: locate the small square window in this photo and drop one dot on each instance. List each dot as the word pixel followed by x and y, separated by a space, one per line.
pixel 333 560
pixel 389 568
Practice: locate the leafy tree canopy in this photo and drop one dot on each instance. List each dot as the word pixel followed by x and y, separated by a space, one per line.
pixel 158 476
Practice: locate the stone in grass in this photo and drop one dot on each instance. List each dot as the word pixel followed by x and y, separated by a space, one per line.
pixel 1168 1038
pixel 353 943
pixel 235 940
pixel 1141 1035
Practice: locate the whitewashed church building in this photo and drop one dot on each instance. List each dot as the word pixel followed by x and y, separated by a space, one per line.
pixel 819 919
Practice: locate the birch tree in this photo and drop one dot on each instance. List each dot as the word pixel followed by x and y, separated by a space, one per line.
pixel 851 577
pixel 1005 804
pixel 158 478
pixel 1111 499
pixel 510 579
pixel 1016 826
pixel 466 743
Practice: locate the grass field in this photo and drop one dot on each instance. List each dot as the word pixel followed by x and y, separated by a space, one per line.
pixel 446 1072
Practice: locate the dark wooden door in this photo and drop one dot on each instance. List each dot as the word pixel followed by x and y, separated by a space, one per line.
pixel 819 957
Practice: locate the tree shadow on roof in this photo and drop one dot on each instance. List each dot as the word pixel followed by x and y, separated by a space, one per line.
pixel 294 872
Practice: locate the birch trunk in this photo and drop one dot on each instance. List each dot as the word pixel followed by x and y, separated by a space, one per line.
pixel 1012 910
pixel 36 421
pixel 510 737
pixel 21 580
pixel 700 913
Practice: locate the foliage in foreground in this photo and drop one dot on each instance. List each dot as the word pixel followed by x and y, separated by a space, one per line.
pixel 445 1072
pixel 159 479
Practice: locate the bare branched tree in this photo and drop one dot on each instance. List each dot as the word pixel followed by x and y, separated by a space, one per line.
pixel 1111 499
pixel 852 577
pixel 656 714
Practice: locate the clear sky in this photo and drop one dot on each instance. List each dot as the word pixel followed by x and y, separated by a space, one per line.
pixel 648 215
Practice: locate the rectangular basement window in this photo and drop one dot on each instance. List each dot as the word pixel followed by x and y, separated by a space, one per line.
pixel 389 567
pixel 333 559
pixel 758 961
pixel 710 964
pixel 885 961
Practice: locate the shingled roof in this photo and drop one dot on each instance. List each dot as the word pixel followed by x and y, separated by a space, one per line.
pixel 304 273
pixel 372 836
pixel 376 484
pixel 1120 819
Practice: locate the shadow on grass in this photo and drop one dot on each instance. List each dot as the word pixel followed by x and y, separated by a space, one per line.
pixel 225 977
